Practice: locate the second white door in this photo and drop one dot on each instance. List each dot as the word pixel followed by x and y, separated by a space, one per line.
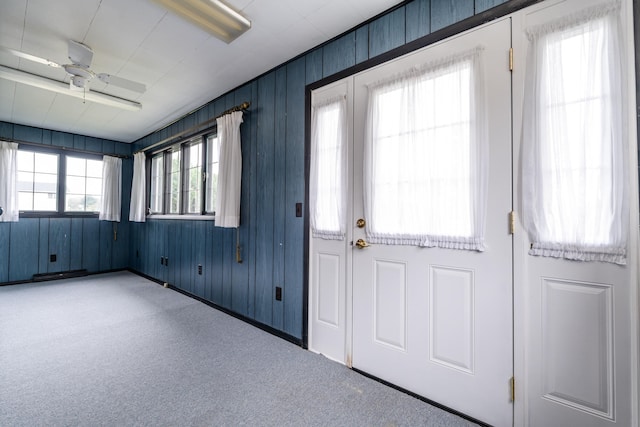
pixel 433 320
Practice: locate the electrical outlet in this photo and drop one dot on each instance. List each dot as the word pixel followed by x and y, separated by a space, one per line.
pixel 278 293
pixel 53 258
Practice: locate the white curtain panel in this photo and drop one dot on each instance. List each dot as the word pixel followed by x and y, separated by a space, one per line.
pixel 574 170
pixel 230 171
pixel 426 156
pixel 327 186
pixel 138 189
pixel 111 189
pixel 8 181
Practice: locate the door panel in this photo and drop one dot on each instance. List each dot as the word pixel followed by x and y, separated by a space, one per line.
pixel 577 329
pixel 329 264
pixel 438 322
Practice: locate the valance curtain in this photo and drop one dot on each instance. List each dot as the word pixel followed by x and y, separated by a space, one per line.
pixel 138 189
pixel 110 205
pixel 574 169
pixel 426 156
pixel 230 171
pixel 8 181
pixel 327 186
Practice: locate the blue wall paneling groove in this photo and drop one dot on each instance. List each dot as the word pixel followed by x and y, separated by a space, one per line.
pixel 387 32
pixel 265 172
pixel 59 233
pixel 75 244
pixel 43 245
pixel 23 253
pixel 4 251
pixel 294 190
pixel 91 245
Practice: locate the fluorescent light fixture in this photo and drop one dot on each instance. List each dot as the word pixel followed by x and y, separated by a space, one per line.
pixel 212 15
pixel 63 88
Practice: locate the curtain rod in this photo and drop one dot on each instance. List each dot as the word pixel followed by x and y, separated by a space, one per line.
pixel 69 149
pixel 240 107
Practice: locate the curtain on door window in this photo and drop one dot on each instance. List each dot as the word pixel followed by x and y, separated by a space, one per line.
pixel 574 173
pixel 8 181
pixel 327 173
pixel 230 171
pixel 111 188
pixel 426 156
pixel 138 189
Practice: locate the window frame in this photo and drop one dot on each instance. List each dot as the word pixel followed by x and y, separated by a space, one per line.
pixel 62 154
pixel 183 145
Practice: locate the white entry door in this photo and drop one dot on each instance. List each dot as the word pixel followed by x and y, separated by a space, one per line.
pixel 434 320
pixel 329 251
pixel 578 358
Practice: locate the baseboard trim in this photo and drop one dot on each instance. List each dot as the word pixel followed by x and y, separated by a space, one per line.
pixel 252 322
pixel 45 277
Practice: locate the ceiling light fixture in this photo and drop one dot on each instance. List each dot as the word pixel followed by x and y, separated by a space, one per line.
pixel 63 88
pixel 212 15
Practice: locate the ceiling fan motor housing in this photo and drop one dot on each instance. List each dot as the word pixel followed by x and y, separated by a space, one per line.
pixel 80 76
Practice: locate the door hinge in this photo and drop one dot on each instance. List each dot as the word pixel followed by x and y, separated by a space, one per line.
pixel 510 59
pixel 512 389
pixel 512 222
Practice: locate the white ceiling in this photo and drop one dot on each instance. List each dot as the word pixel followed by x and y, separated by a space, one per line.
pixel 182 66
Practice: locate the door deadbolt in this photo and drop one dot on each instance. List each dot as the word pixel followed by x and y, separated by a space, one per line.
pixel 361 223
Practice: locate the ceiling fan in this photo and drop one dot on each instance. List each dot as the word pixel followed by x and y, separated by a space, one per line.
pixel 79 71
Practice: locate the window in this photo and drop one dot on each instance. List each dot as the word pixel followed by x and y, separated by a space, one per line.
pixel 213 161
pixel 83 187
pixel 37 181
pixel 193 176
pixel 157 183
pixel 327 177
pixel 425 157
pixel 172 192
pixel 183 178
pixel 574 174
pixel 51 181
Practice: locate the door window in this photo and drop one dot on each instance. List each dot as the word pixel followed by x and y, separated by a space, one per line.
pixel 425 156
pixel 574 166
pixel 327 174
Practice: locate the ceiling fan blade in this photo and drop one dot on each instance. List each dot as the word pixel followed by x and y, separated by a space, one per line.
pixel 30 57
pixel 123 83
pixel 80 54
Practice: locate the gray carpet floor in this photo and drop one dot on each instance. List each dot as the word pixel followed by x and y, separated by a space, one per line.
pixel 118 350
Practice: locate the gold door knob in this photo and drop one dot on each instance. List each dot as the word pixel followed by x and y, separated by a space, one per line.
pixel 360 243
pixel 361 223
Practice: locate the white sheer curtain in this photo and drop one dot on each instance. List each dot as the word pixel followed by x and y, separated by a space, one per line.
pixel 111 188
pixel 574 173
pixel 327 186
pixel 8 181
pixel 138 189
pixel 426 156
pixel 230 171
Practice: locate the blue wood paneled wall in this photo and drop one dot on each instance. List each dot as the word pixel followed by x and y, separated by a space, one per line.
pixel 273 181
pixel 79 243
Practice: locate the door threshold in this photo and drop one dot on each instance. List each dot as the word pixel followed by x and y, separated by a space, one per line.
pixel 424 399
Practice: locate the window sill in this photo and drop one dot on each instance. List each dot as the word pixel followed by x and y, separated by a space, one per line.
pixel 183 217
pixel 43 214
